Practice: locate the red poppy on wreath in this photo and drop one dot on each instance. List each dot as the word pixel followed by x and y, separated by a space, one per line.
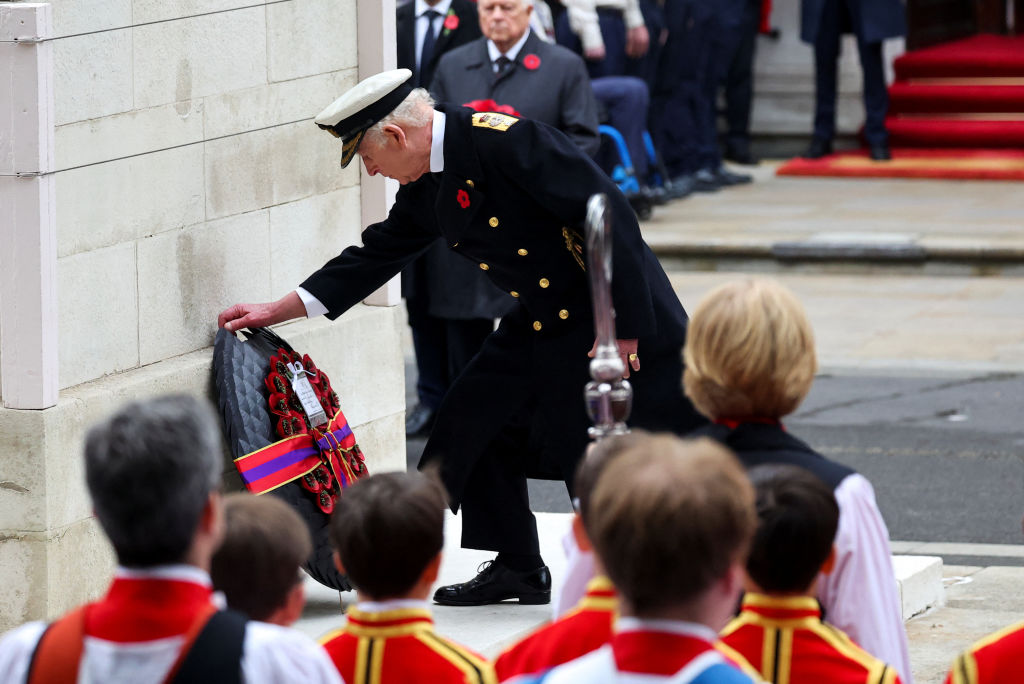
pixel 451 22
pixel 531 61
pixel 463 199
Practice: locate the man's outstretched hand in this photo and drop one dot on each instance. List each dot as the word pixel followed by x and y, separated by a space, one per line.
pixel 261 315
pixel 627 352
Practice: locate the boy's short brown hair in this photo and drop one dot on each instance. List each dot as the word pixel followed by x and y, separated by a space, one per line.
pixel 797 521
pixel 669 518
pixel 749 351
pixel 265 543
pixel 595 460
pixel 386 529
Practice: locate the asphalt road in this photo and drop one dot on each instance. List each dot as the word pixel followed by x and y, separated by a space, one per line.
pixel 945 454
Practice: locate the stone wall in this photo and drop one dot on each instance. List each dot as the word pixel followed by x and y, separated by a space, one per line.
pixel 188 176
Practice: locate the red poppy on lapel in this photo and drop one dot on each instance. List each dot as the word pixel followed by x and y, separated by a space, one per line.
pixel 451 22
pixel 463 199
pixel 531 61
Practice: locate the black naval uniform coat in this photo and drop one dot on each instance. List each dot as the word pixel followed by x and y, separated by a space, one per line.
pixel 512 199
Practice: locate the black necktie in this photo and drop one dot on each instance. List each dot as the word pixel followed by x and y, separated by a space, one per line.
pixel 503 63
pixel 428 46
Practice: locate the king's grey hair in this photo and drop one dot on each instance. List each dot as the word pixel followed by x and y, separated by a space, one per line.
pixel 150 469
pixel 414 111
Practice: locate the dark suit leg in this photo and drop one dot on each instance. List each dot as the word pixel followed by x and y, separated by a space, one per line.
pixel 711 49
pixel 739 82
pixel 672 122
pixel 826 64
pixel 496 512
pixel 464 337
pixel 429 343
pixel 626 99
pixel 876 97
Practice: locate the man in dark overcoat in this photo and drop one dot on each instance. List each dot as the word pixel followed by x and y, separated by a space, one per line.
pixel 822 23
pixel 510 196
pixel 443 344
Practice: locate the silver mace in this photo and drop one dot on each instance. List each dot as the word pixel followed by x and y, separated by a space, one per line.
pixel 609 398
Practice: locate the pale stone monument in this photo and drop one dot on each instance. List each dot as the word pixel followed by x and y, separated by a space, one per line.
pixel 158 162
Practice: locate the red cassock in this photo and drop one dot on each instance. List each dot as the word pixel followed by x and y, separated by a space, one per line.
pixel 996 659
pixel 787 642
pixel 400 646
pixel 585 628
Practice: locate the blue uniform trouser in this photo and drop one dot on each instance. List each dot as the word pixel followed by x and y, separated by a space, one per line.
pixel 826 62
pixel 739 80
pixel 626 100
pixel 677 107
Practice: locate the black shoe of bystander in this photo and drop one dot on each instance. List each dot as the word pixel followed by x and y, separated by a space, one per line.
pixel 496 583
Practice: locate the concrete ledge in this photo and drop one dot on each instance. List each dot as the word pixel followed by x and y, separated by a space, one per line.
pixel 920 583
pixel 490 629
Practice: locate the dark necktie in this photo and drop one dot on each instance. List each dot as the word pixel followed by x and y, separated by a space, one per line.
pixel 503 64
pixel 428 46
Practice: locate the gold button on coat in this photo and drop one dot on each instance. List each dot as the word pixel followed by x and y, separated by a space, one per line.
pixel 537 325
pixel 470 183
pixel 455 245
pixel 544 282
pixel 514 293
pixel 484 267
pixel 523 252
pixel 493 222
pixel 563 314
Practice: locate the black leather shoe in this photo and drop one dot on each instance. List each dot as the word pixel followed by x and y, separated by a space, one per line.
pixel 496 583
pixel 727 178
pixel 881 153
pixel 706 180
pixel 818 148
pixel 419 421
pixel 740 153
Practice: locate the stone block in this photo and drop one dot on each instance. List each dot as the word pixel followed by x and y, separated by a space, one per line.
pixel 129 133
pixel 325 30
pixel 22 579
pixel 80 551
pixel 361 353
pixel 274 166
pixel 274 103
pixel 106 204
pixel 160 10
pixel 74 16
pixel 98 312
pixel 920 583
pixel 22 472
pixel 382 441
pixel 182 60
pixel 189 276
pixel 92 76
pixel 306 234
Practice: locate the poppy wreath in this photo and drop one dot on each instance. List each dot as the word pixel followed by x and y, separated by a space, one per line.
pixel 492 106
pixel 324 458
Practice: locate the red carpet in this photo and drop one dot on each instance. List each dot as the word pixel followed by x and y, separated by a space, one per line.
pixel 959 164
pixel 956 110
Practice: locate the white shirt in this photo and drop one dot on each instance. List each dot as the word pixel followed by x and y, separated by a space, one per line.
pixel 270 654
pixel 314 307
pixel 494 53
pixel 584 22
pixel 860 596
pixel 422 23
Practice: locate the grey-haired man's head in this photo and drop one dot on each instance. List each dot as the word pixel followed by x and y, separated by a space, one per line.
pixel 151 468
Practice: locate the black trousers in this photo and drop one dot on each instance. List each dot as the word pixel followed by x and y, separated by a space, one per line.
pixel 739 81
pixel 826 62
pixel 443 347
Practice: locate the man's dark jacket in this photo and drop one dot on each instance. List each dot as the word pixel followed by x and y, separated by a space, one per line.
pixel 872 21
pixel 405 30
pixel 555 91
pixel 512 200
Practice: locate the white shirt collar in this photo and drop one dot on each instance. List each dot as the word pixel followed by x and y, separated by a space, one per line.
pixel 441 7
pixel 690 629
pixel 437 143
pixel 513 52
pixel 393 604
pixel 180 573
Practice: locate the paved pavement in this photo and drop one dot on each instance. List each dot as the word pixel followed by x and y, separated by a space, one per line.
pixel 921 281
